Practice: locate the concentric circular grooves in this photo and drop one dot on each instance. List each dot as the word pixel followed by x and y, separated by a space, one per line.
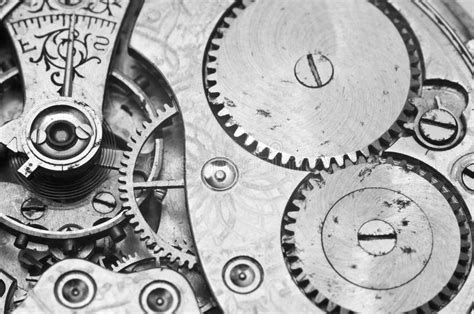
pixel 267 153
pixel 152 240
pixel 448 191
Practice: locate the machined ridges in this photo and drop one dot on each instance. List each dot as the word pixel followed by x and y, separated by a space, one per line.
pixel 466 252
pixel 154 242
pixel 316 180
pixel 251 142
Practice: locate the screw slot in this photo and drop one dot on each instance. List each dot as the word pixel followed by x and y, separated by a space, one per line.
pixel 104 202
pixel 377 237
pixel 314 70
pixel 33 209
pixel 439 127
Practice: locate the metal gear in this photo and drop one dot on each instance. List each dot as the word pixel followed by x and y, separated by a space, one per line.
pixel 364 237
pixel 298 114
pixel 160 246
pixel 128 262
pixel 139 262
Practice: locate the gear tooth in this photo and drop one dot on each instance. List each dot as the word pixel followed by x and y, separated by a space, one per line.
pixel 172 259
pixel 403 118
pixel 284 159
pixel 331 306
pixel 352 158
pixel 305 193
pixel 287 238
pixel 376 147
pixel 295 264
pixel 308 288
pixel 192 264
pixel 298 203
pixel 122 179
pixel 298 163
pixel 169 108
pixel 239 132
pixel 123 194
pixel 211 80
pixel 224 113
pixel 319 298
pixel 130 145
pixel 123 170
pixel 365 152
pixel 290 228
pixel 277 158
pixel 339 161
pixel 237 12
pixel 143 236
pixel 326 162
pixel 215 44
pixel 272 154
pixel 308 164
pixel 211 58
pixel 228 21
pixel 213 89
pixel 211 85
pixel 149 242
pixel 124 163
pixel 294 214
pixel 251 144
pixel 386 140
pixel 263 152
pixel 396 131
pixel 129 213
pixel 181 262
pixel 316 181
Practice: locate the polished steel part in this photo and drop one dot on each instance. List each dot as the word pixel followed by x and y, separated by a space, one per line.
pixel 79 284
pixel 49 214
pixel 337 220
pixel 299 89
pixel 206 186
pixel 160 246
pixel 65 49
pixel 242 221
pixel 64 52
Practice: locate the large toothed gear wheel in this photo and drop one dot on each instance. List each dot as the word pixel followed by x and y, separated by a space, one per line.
pixel 365 238
pixel 301 82
pixel 132 184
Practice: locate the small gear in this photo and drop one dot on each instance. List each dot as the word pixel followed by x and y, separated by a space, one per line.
pixel 364 237
pixel 297 84
pixel 138 262
pixel 128 262
pixel 160 246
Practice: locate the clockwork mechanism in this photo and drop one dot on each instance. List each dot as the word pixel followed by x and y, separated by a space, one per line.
pixel 235 156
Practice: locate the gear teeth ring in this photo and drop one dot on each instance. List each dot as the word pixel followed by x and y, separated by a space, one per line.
pixel 296 266
pixel 129 260
pixel 154 242
pixel 252 144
